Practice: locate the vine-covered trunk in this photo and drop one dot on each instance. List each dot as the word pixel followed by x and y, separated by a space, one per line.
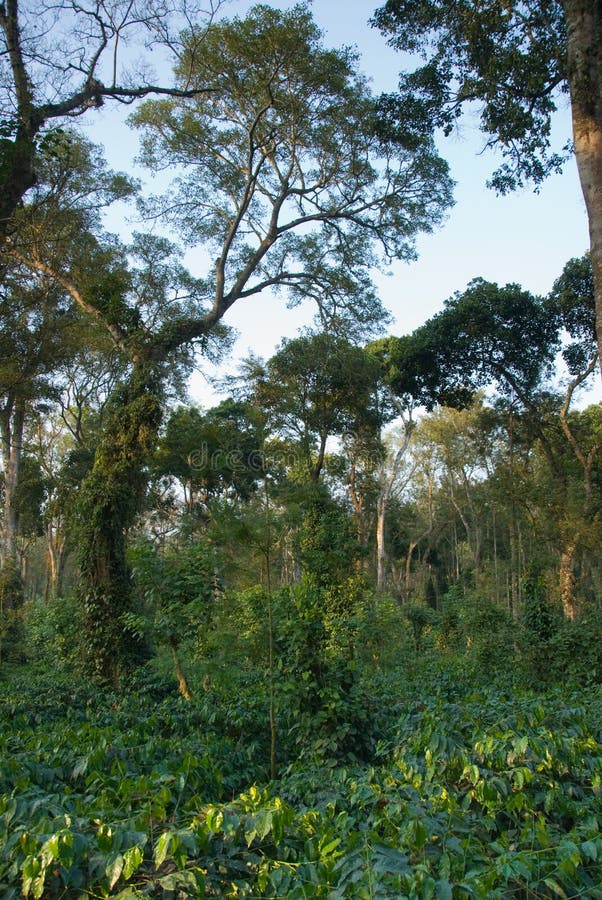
pixel 357 498
pixel 109 499
pixel 584 44
pixel 566 577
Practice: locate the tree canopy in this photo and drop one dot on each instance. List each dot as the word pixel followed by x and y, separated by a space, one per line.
pixel 59 60
pixel 282 176
pixel 516 60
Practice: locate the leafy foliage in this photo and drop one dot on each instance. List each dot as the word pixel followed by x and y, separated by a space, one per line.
pixel 510 57
pixel 480 792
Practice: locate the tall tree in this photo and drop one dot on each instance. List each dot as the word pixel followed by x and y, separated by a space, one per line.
pixel 283 179
pixel 38 333
pixel 505 338
pixel 59 60
pixel 285 182
pixel 65 434
pixel 316 387
pixel 516 59
pixel 390 482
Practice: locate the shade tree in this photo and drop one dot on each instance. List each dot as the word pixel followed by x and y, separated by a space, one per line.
pixel 285 183
pixel 281 175
pixel 63 436
pixel 517 61
pixel 315 387
pixel 60 60
pixel 38 333
pixel 319 395
pixel 211 454
pixel 506 339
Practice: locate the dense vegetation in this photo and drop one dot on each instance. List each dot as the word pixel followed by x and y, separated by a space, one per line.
pixel 339 634
pixel 399 772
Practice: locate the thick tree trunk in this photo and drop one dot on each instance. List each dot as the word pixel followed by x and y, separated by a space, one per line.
pixel 11 426
pixel 584 59
pixel 109 501
pixel 566 577
pixel 16 178
pixel 17 156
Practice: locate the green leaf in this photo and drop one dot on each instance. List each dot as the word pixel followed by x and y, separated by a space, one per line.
pixel 162 848
pixel 37 889
pixel 589 849
pixel 264 822
pixel 330 846
pixel 114 868
pixel 443 889
pixel 178 880
pixel 80 768
pixel 419 834
pixel 554 887
pixel 521 744
pixel 30 872
pixel 132 859
pixel 50 850
pixel 388 859
pixel 214 818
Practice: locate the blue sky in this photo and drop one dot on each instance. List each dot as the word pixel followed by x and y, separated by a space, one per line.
pixel 525 237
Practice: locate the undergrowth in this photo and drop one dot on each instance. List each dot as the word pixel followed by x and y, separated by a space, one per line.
pixel 490 792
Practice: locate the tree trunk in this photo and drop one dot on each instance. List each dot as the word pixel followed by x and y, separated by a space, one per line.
pixel 431 535
pixel 381 552
pixel 566 577
pixel 17 176
pixel 383 502
pixel 315 468
pixel 584 63
pixel 407 585
pixel 56 557
pixel 183 688
pixel 12 423
pixel 108 503
pixel 11 426
pixel 357 498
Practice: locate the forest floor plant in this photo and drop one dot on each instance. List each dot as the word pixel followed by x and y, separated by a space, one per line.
pixel 467 785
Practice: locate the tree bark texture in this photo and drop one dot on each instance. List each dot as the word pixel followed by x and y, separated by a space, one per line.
pixel 584 63
pixel 56 557
pixel 11 428
pixel 566 574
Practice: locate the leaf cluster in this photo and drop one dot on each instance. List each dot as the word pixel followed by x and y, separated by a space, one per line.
pixel 509 58
pixel 486 792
